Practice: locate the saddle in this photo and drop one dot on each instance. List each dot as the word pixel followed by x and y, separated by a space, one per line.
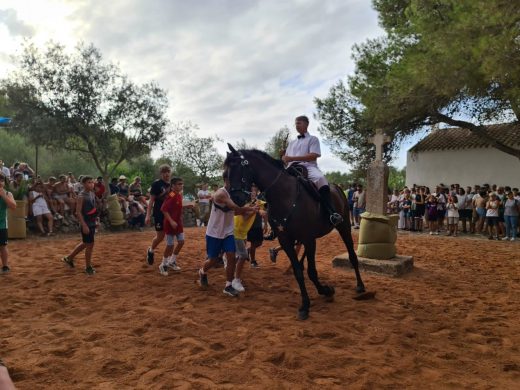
pixel 300 172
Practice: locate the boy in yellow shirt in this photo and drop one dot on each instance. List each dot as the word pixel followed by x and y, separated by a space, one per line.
pixel 243 224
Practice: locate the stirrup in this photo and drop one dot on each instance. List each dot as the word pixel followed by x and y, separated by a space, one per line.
pixel 335 219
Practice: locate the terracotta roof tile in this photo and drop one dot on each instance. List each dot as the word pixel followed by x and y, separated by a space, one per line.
pixel 460 138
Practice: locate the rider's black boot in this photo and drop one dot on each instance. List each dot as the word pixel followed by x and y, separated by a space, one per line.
pixel 334 217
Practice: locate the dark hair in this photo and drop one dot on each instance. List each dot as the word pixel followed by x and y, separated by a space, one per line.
pixel 175 180
pixel 225 174
pixel 2 177
pixel 86 178
pixel 302 118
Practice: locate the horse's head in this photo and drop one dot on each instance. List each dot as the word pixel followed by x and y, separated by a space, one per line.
pixel 240 176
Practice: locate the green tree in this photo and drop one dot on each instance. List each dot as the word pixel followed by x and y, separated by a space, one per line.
pixel 276 146
pixel 396 178
pixel 79 103
pixel 197 153
pixel 442 61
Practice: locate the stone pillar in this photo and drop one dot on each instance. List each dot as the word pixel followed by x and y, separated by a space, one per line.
pixel 377 192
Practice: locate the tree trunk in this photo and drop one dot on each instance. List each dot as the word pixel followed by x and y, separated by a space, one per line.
pixel 479 131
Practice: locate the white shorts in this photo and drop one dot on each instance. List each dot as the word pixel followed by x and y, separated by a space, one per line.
pixel 40 209
pixel 316 176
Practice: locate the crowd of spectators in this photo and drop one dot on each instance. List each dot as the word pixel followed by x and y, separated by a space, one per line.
pixel 489 210
pixel 52 202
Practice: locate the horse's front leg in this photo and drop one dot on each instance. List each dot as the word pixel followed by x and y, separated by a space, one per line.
pixel 288 247
pixel 310 250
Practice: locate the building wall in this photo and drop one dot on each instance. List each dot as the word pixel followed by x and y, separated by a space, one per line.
pixel 466 167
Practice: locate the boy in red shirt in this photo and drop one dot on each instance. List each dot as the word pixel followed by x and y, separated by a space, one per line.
pixel 173 227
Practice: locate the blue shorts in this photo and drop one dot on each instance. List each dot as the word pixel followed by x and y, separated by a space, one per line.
pixel 214 246
pixel 170 238
pixel 358 211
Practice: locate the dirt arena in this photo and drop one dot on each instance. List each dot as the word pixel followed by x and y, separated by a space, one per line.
pixel 452 323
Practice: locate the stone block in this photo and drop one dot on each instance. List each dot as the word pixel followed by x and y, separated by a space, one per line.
pixel 395 267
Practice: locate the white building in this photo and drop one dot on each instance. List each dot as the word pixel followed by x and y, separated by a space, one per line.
pixel 455 155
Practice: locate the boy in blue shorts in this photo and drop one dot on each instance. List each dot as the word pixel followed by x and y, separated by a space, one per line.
pixel 219 235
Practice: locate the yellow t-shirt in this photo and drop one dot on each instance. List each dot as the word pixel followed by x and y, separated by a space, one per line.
pixel 243 223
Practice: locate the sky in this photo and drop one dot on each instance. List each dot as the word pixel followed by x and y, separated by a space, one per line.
pixel 239 69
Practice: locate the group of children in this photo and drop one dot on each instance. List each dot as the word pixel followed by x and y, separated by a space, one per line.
pixel 228 229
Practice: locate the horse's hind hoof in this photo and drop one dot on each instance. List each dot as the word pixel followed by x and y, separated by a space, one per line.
pixel 303 315
pixel 360 289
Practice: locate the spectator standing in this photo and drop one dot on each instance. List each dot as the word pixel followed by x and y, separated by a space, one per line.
pixel 511 213
pixel 5 171
pixel 6 202
pixel 420 208
pixel 452 210
pixel 431 210
pixel 359 205
pixel 204 198
pixel 492 213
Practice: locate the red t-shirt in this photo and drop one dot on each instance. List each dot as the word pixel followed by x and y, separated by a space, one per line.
pixel 173 206
pixel 99 189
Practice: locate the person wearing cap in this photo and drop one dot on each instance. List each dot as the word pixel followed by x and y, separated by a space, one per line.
pixel 5 170
pixel 305 150
pixel 124 189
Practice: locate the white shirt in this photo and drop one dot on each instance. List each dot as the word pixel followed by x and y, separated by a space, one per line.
pixel 201 194
pixel 6 172
pixel 302 146
pixel 221 223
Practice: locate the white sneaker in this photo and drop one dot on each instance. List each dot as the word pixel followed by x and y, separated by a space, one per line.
pixel 513 239
pixel 505 239
pixel 163 270
pixel 173 265
pixel 237 285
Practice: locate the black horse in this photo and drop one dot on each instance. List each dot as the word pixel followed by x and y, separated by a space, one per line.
pixel 295 213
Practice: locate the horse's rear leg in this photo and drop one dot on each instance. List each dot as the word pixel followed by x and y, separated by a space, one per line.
pixel 344 231
pixel 303 311
pixel 310 250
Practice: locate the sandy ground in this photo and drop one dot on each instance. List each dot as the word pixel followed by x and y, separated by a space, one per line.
pixel 452 323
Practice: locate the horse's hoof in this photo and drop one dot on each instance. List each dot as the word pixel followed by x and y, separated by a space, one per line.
pixel 365 296
pixel 303 315
pixel 360 289
pixel 329 291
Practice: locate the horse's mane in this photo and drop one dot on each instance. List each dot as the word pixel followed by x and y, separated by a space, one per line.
pixel 258 153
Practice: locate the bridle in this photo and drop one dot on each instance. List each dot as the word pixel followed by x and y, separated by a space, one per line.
pixel 244 166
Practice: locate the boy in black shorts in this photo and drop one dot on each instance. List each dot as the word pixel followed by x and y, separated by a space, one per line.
pixel 160 189
pixel 87 214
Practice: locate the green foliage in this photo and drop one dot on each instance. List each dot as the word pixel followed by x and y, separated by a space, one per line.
pixel 79 103
pixel 196 153
pixel 441 61
pixel 276 146
pixel 21 192
pixel 396 178
pixel 345 179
